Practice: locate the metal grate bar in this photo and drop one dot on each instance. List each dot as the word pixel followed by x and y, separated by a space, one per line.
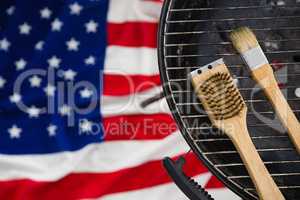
pixel 229 30
pixel 249 113
pixel 233 65
pixel 254 138
pixel 222 139
pixel 266 163
pixel 241 89
pixel 246 100
pixel 249 125
pixel 232 8
pixel 280 187
pixel 243 77
pixel 230 19
pixel 259 150
pixel 229 54
pixel 227 43
pixel 282 174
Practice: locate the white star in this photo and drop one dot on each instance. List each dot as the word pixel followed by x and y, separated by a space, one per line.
pixel 91 60
pixel 86 93
pixel 33 112
pixel 2 82
pixel 56 25
pixel 15 98
pixel 14 132
pixel 85 126
pixel 75 9
pixel 65 110
pixel 35 81
pixel 20 64
pixel 25 29
pixel 91 26
pixel 4 44
pixel 72 44
pixel 50 90
pixel 54 62
pixel 39 45
pixel 52 130
pixel 10 10
pixel 45 13
pixel 69 74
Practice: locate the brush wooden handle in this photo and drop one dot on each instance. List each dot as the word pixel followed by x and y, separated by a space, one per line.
pixel 227 111
pixel 264 183
pixel 265 78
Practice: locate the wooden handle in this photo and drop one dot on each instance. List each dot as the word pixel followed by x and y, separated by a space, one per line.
pixel 264 184
pixel 265 77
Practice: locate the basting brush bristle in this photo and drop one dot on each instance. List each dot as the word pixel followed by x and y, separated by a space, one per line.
pixel 222 96
pixel 243 39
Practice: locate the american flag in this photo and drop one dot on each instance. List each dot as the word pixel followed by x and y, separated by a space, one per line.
pixel 73 79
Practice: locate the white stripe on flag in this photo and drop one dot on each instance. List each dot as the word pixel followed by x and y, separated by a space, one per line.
pixel 223 193
pixel 131 61
pixel 171 191
pixel 103 157
pixel 133 10
pixel 164 191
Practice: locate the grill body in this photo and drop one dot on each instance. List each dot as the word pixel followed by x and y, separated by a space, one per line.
pixel 195 32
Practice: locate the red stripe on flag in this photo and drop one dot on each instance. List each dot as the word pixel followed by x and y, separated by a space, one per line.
pixel 138 127
pixel 117 85
pixel 133 34
pixel 214 183
pixel 93 185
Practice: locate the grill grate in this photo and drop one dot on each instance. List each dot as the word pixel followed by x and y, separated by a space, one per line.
pixel 194 33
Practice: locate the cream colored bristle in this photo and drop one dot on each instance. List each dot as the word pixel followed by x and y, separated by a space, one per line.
pixel 243 39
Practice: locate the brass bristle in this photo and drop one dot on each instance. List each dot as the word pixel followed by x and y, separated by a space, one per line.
pixel 243 39
pixel 222 96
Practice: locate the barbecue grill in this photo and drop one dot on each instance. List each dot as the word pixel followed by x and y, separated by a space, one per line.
pixel 194 33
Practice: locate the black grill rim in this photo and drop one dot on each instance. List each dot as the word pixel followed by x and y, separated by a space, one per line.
pixel 167 93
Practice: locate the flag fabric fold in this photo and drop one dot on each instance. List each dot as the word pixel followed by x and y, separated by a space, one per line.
pixel 76 121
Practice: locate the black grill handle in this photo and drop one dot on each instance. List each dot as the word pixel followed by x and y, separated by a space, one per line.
pixel 187 185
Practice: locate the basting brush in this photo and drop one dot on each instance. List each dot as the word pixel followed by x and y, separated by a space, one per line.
pixel 244 40
pixel 228 112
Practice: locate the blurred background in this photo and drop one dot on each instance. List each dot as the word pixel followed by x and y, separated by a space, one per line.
pixel 82 113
